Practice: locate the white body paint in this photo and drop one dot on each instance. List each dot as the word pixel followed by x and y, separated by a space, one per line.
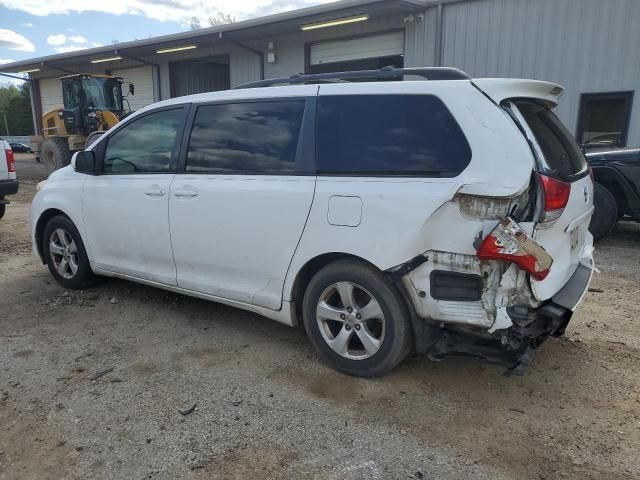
pixel 243 239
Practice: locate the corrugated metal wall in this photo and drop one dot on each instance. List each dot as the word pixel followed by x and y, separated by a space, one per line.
pixel 50 94
pixel 585 45
pixel 290 49
pixel 420 40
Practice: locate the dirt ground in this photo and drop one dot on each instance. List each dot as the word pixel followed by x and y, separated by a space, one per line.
pixel 265 407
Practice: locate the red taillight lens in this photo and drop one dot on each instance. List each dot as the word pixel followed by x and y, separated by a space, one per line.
pixel 508 241
pixel 11 161
pixel 556 196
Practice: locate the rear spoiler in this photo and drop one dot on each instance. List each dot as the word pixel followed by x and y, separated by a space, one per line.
pixel 499 89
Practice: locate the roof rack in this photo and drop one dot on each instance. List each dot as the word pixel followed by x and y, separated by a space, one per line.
pixel 385 73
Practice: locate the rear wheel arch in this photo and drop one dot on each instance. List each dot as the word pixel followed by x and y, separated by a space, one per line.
pixel 313 266
pixel 391 336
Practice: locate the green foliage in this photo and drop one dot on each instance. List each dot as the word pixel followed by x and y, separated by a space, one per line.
pixel 15 104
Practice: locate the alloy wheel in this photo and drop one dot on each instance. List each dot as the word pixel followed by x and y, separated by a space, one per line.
pixel 64 253
pixel 350 320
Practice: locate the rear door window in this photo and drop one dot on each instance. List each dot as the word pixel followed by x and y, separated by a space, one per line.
pixel 400 135
pixel 563 157
pixel 258 138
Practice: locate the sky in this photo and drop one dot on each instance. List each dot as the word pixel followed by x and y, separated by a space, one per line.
pixel 35 28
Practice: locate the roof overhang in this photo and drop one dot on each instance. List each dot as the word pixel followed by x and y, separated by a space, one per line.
pixel 263 27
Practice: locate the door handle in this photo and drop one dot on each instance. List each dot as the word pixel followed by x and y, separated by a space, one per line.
pixel 154 192
pixel 185 193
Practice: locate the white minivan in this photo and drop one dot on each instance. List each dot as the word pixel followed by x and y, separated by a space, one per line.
pixel 437 214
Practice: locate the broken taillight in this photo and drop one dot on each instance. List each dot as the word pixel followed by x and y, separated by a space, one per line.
pixel 11 162
pixel 508 241
pixel 555 194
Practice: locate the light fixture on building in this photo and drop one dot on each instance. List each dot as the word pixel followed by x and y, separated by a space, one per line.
pixel 176 49
pixel 108 59
pixel 271 52
pixel 334 23
pixel 30 71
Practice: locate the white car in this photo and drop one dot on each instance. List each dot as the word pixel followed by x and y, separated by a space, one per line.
pixel 446 217
pixel 8 180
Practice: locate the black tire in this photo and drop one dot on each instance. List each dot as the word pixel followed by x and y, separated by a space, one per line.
pixel 605 213
pixel 83 276
pixel 55 153
pixel 3 208
pixel 397 341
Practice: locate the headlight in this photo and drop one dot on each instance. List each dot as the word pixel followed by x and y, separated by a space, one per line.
pixel 40 185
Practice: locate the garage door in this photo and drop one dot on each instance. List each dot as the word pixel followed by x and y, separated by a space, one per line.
pixel 50 94
pixel 374 46
pixel 199 75
pixel 142 78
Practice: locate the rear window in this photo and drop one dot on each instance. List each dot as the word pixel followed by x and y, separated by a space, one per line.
pixel 562 154
pixel 389 135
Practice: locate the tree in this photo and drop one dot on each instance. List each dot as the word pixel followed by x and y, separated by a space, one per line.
pixel 195 24
pixel 214 21
pixel 16 104
pixel 221 19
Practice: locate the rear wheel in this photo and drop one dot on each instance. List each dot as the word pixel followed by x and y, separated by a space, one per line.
pixel 3 208
pixel 65 254
pixel 55 153
pixel 605 213
pixel 356 320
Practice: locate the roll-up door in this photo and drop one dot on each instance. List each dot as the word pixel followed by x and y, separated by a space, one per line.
pixel 373 46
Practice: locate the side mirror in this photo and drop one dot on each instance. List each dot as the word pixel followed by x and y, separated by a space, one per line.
pixel 132 89
pixel 84 162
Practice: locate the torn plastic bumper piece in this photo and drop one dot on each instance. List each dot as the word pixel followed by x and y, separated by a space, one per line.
pixel 508 241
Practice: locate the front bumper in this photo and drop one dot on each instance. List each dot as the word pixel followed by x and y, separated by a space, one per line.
pixel 8 187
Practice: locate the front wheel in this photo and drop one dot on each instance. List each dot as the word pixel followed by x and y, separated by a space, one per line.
pixel 356 320
pixel 65 254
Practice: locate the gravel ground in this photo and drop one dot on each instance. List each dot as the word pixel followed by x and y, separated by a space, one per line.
pixel 265 407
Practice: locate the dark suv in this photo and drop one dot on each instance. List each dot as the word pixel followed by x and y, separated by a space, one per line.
pixel 617 188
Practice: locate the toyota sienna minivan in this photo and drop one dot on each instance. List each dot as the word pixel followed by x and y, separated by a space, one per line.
pixel 437 214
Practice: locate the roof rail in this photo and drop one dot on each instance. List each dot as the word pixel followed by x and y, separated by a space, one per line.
pixel 385 73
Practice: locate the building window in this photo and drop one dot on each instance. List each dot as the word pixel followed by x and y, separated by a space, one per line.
pixel 603 121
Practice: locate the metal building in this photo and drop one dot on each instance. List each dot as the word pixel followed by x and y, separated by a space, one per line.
pixel 585 45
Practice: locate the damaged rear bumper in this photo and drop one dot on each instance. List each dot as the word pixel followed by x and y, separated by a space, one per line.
pixel 515 349
pixel 486 309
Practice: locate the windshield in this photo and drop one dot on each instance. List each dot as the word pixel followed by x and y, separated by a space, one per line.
pixel 102 93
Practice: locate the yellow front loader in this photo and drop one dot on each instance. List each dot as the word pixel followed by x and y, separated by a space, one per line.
pixel 92 105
